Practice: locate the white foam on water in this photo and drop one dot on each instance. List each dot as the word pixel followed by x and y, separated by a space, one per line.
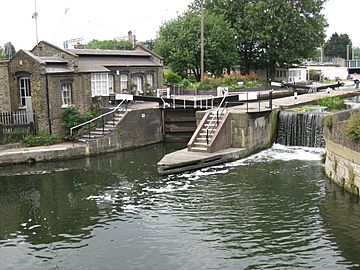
pixel 276 152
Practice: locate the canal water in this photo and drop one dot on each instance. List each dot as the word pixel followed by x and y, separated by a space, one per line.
pixel 273 210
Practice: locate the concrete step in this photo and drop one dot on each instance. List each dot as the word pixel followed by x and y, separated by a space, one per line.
pixel 99 132
pixel 198 149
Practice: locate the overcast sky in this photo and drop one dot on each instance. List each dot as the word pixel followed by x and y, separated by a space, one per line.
pixel 60 20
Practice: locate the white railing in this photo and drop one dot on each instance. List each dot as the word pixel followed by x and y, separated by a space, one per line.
pixel 102 117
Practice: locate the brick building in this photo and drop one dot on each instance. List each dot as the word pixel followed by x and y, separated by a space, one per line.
pixel 48 79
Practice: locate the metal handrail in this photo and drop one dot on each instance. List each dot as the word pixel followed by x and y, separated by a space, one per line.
pixel 215 116
pixel 96 118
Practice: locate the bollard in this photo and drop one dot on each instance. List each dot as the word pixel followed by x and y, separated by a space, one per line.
pixel 295 95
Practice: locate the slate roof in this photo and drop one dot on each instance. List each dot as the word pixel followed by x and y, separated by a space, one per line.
pixel 100 63
pixel 96 52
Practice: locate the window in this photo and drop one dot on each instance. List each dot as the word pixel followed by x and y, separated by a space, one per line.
pixel 25 90
pixel 101 84
pixel 123 82
pixel 66 89
pixel 150 80
pixel 137 82
pixel 111 84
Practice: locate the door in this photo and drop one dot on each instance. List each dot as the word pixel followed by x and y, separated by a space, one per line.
pixel 137 81
pixel 25 91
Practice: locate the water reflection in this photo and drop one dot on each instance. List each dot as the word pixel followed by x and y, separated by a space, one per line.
pixel 272 210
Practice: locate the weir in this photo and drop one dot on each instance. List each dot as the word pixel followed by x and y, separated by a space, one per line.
pixel 301 129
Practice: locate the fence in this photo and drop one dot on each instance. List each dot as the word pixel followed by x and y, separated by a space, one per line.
pixel 17 123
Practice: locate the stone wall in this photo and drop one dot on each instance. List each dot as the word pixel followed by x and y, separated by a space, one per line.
pixel 22 65
pixel 342 163
pixel 4 88
pixel 46 49
pixel 254 131
pixel 223 138
pixel 138 128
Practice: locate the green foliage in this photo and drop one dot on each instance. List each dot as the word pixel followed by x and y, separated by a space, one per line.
pixel 353 127
pixel 336 46
pixel 329 121
pixel 10 138
pixel 38 140
pixel 332 103
pixel 179 44
pixel 71 117
pixel 271 33
pixel 228 80
pixel 172 77
pixel 109 44
pixel 356 53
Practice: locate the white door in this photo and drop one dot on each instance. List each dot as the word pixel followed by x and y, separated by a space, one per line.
pixel 138 85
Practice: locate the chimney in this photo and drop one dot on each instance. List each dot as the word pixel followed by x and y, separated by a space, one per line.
pixel 79 46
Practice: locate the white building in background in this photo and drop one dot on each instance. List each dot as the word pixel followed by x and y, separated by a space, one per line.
pixel 331 72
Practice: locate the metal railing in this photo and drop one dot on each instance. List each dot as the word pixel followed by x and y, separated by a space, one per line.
pixel 92 123
pixel 214 118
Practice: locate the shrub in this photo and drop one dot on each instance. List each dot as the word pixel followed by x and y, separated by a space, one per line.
pixel 332 103
pixel 71 117
pixel 209 83
pixel 10 138
pixel 353 126
pixel 38 140
pixel 172 77
pixel 329 121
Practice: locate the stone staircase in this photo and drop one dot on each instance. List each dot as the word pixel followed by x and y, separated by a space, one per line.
pixel 103 127
pixel 206 132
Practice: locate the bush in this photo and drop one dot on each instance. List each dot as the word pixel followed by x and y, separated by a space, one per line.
pixel 10 138
pixel 329 121
pixel 172 77
pixel 71 117
pixel 38 140
pixel 332 103
pixel 353 127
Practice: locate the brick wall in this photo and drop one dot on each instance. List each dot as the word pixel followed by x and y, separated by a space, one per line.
pixel 4 88
pixel 22 65
pixel 223 138
pixel 47 49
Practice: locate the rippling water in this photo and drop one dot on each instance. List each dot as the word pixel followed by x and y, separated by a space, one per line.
pixel 273 210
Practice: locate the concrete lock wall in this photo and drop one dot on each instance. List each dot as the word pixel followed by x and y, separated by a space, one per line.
pixel 138 128
pixel 253 131
pixel 342 163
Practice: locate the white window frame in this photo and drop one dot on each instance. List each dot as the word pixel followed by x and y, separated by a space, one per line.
pixel 25 89
pixel 66 95
pixel 124 79
pixel 111 84
pixel 150 80
pixel 101 83
pixel 138 83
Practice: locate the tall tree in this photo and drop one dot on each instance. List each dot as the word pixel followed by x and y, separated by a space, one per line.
pixel 271 33
pixel 337 46
pixel 9 50
pixel 109 44
pixel 179 44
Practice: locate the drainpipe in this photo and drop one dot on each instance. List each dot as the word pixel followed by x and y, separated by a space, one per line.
pixel 48 103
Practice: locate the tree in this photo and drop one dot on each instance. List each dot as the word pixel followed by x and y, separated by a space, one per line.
pixel 8 50
pixel 179 44
pixel 272 33
pixel 109 44
pixel 336 46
